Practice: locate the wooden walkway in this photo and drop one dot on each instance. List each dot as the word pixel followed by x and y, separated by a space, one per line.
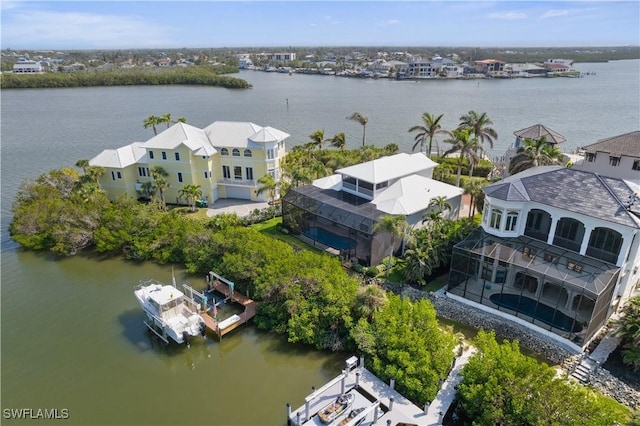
pixel 248 313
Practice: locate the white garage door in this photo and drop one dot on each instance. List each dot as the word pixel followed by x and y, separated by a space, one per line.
pixel 242 193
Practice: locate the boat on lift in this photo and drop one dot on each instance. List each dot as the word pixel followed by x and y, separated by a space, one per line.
pixel 170 314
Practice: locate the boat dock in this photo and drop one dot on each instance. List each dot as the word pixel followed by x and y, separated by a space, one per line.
pixel 383 406
pixel 225 288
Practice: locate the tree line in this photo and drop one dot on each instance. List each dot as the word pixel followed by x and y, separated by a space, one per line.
pixel 193 75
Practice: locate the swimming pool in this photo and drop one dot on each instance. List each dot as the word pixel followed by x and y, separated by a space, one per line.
pixel 537 310
pixel 330 239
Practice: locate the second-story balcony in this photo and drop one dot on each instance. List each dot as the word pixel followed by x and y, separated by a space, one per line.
pixel 237 182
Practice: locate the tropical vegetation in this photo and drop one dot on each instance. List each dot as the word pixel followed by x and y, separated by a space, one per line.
pixel 629 332
pixel 533 153
pixel 501 386
pixel 430 128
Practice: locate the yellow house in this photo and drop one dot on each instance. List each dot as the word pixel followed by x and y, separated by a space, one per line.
pixel 225 159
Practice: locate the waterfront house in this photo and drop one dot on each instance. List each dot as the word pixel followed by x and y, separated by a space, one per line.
pixel 340 211
pixel 490 67
pixel 558 250
pixel 24 66
pixel 225 159
pixel 617 156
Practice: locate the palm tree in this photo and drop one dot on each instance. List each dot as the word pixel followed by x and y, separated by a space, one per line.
pixel 191 193
pixel 369 300
pixel 467 146
pixel 478 124
pixel 166 118
pixel 441 203
pixel 317 138
pixel 270 186
pixel 94 173
pixel 159 176
pixel 396 226
pixel 533 153
pixel 363 120
pixel 152 121
pixel 338 141
pixel 428 131
pixel 83 164
pixel 474 188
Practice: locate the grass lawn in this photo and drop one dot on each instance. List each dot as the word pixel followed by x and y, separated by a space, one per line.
pixel 269 228
pixel 199 214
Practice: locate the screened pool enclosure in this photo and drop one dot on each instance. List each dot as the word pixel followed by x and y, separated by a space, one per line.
pixel 552 287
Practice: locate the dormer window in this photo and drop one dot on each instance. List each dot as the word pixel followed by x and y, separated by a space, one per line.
pixel 247 153
pixel 236 152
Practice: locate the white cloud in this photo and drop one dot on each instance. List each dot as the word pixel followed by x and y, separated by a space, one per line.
pixel 508 16
pixel 553 13
pixel 393 21
pixel 33 28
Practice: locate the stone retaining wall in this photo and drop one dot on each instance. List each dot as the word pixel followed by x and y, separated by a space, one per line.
pixel 447 308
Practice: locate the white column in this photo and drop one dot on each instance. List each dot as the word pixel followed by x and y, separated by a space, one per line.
pixel 552 231
pixel 585 239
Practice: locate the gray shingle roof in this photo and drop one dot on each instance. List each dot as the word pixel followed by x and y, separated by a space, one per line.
pixel 537 131
pixel 572 190
pixel 627 144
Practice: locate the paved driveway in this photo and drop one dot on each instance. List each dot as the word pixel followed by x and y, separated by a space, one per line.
pixel 231 205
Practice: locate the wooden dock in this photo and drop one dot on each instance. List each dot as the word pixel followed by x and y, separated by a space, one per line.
pixel 220 328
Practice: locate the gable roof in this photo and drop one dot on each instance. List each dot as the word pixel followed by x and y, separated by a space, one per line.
pixel 413 194
pixel 121 157
pixel 390 167
pixel 242 134
pixel 571 190
pixel 537 131
pixel 627 144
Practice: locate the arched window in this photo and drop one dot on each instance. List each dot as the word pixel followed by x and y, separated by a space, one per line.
pixel 247 153
pixel 605 244
pixel 538 225
pixel 236 152
pixel 512 221
pixel 496 218
pixel 569 234
pixel 224 151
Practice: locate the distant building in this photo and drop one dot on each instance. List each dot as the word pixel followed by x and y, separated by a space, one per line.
pixel 281 56
pixel 27 67
pixel 489 66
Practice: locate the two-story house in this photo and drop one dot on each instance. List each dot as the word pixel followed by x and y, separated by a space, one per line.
pixel 225 159
pixel 558 250
pixel 617 156
pixel 340 211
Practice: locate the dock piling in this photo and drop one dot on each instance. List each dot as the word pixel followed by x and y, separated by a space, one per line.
pixel 298 418
pixel 391 399
pixel 343 381
pixel 288 411
pixel 392 383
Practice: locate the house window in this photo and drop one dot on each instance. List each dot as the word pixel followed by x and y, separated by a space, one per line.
pixel 177 154
pixel 226 172
pixel 512 221
pixel 605 244
pixel 206 175
pixel 272 172
pixel 179 177
pixel 237 173
pixel 270 154
pixel 142 171
pixel 614 161
pixel 164 155
pixel 151 155
pixel 590 157
pixel 496 218
pixel 485 214
pixel 224 151
pixel 236 152
pixel 569 233
pixel 249 172
pixel 119 175
pixel 247 153
pixel 636 165
pixel 113 176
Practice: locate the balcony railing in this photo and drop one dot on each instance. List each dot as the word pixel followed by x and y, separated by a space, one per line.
pixel 237 182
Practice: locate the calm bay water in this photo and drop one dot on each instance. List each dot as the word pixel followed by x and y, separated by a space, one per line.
pixel 72 335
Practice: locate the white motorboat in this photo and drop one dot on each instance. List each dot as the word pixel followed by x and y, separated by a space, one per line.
pixel 169 312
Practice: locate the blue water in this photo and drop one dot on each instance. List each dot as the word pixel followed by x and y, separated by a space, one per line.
pixel 330 239
pixel 536 310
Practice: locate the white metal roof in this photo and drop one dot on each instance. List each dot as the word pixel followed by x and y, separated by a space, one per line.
pixel 180 133
pixel 330 182
pixel 121 157
pixel 242 134
pixel 413 194
pixel 388 168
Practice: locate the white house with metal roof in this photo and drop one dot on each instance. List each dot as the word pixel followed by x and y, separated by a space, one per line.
pixel 340 211
pixel 558 248
pixel 225 159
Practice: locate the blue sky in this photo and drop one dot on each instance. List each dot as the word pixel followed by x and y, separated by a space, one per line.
pixel 171 24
